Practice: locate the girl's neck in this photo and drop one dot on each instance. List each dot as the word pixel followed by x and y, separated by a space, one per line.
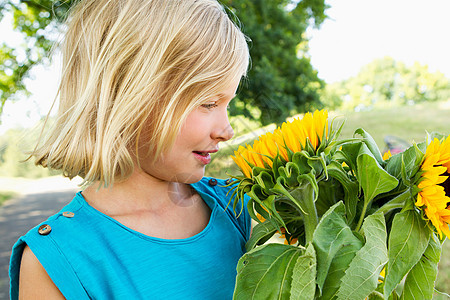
pixel 139 193
pixel 169 210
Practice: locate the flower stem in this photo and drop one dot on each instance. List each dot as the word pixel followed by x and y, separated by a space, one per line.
pixel 361 217
pixel 388 207
pixel 304 195
pixel 400 201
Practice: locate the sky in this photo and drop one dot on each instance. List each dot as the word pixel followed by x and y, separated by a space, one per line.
pixel 356 33
pixel 359 31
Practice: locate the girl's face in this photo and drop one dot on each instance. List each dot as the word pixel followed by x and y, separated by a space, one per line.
pixel 199 137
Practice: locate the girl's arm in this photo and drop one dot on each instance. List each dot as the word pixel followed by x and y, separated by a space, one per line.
pixel 34 282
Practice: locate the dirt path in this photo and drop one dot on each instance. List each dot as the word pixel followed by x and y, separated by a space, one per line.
pixel 36 201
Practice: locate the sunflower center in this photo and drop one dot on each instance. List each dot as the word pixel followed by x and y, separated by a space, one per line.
pixel 446 185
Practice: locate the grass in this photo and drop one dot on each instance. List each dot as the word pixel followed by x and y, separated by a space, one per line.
pixel 5 196
pixel 409 123
pixel 443 279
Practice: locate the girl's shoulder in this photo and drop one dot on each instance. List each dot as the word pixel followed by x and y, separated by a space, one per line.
pixel 41 240
pixel 219 189
pixel 223 193
pixel 63 218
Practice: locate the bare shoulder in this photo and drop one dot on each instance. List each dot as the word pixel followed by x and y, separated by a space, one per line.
pixel 34 282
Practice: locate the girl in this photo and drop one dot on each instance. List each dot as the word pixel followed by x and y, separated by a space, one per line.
pixel 143 104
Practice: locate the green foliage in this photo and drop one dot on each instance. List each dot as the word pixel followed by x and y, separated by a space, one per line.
pixel 337 268
pixel 304 275
pixel 5 196
pixel 410 123
pixel 408 240
pixel 13 146
pixel 386 82
pixel 420 281
pixel 11 75
pixel 260 234
pixel 350 187
pixel 333 95
pixel 330 237
pixel 258 273
pixel 361 277
pixel 37 21
pixel 372 178
pixel 281 79
pixel 343 250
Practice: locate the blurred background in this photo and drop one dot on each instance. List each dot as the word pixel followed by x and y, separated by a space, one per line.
pixel 381 65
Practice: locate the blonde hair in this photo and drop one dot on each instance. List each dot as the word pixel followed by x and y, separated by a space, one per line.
pixel 130 65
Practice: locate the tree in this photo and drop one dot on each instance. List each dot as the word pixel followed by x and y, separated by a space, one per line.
pixel 281 80
pixel 388 82
pixel 12 155
pixel 37 21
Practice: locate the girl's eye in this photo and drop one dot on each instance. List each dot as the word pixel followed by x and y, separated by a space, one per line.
pixel 209 105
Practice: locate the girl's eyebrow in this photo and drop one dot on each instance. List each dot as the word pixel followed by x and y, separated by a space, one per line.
pixel 222 95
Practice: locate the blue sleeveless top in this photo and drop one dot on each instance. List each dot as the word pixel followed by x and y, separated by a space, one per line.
pixel 89 255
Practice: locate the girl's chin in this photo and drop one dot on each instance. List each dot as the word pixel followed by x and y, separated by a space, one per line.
pixel 195 177
pixel 189 178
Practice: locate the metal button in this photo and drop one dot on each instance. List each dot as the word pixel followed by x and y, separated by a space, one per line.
pixel 228 181
pixel 68 214
pixel 44 229
pixel 212 182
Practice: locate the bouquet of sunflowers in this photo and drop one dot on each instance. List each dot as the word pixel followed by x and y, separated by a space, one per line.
pixel 358 225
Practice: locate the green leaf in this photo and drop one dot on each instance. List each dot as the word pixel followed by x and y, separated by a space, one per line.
pixel 260 234
pixel 332 233
pixel 373 179
pixel 281 190
pixel 306 180
pixel 411 158
pixel 330 193
pixel 257 170
pixel 376 296
pixel 304 275
pixel 348 154
pixel 301 161
pixel 408 240
pixel 251 209
pixel 394 296
pixel 340 263
pixel 394 165
pixel 370 143
pixel 306 195
pixel 397 202
pixel 256 193
pixel 266 272
pixel 290 173
pixel 361 277
pixel 270 202
pixel 419 283
pixel 336 171
pixel 265 180
pixel 277 163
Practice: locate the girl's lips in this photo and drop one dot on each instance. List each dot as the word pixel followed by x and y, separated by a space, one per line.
pixel 203 157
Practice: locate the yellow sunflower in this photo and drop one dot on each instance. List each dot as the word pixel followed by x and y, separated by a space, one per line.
pixel 433 197
pixel 292 135
pixel 387 155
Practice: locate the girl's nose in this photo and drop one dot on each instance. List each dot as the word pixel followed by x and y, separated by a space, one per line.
pixel 228 132
pixel 224 131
